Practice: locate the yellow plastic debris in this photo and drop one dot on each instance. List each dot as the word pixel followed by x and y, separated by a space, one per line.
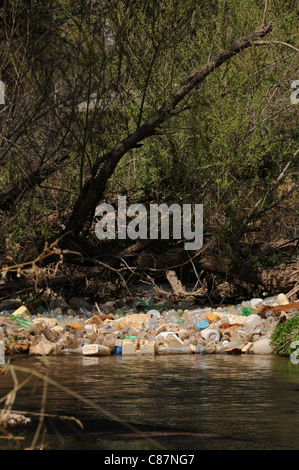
pixel 75 326
pixel 212 316
pixel 22 311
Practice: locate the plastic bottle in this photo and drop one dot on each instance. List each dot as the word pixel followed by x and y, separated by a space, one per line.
pixel 20 321
pixel 252 321
pixel 109 340
pixel 49 334
pixel 193 339
pixel 154 313
pixel 72 351
pixel 200 349
pixel 225 322
pixel 210 347
pixel 153 324
pixel 91 332
pixel 255 302
pixel 164 349
pixel 246 311
pixel 171 316
pixel 2 353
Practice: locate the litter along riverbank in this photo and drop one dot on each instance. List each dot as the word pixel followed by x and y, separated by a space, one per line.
pixel 82 327
pixel 141 328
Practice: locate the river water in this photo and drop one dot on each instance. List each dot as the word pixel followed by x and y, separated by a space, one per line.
pixel 199 402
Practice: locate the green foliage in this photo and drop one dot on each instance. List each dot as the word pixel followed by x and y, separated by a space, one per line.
pixel 284 334
pixel 225 148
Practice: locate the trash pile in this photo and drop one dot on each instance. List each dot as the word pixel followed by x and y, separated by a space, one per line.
pixel 140 327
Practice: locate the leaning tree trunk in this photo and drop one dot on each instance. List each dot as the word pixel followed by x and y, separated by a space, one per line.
pixel 95 185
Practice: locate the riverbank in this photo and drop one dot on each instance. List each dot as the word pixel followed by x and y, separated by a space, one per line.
pixel 141 327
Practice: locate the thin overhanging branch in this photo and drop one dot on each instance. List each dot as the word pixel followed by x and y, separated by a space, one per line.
pixel 270 43
pixel 95 184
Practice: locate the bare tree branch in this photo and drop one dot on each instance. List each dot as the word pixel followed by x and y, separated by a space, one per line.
pixel 269 43
pixel 265 12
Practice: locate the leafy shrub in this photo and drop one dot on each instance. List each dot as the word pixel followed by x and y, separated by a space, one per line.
pixel 284 334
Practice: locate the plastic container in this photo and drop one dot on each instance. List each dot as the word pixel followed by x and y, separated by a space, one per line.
pixel 22 311
pixel 202 325
pixel 210 334
pixel 95 350
pixel 2 353
pixel 169 339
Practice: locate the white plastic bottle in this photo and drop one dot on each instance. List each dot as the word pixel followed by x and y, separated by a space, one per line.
pixel 2 353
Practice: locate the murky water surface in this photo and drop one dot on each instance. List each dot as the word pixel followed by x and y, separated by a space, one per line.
pixel 168 402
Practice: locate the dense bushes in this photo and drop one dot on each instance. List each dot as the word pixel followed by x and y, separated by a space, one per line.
pixel 229 146
pixel 284 334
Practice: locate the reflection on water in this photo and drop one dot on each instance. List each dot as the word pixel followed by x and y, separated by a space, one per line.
pixel 183 402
